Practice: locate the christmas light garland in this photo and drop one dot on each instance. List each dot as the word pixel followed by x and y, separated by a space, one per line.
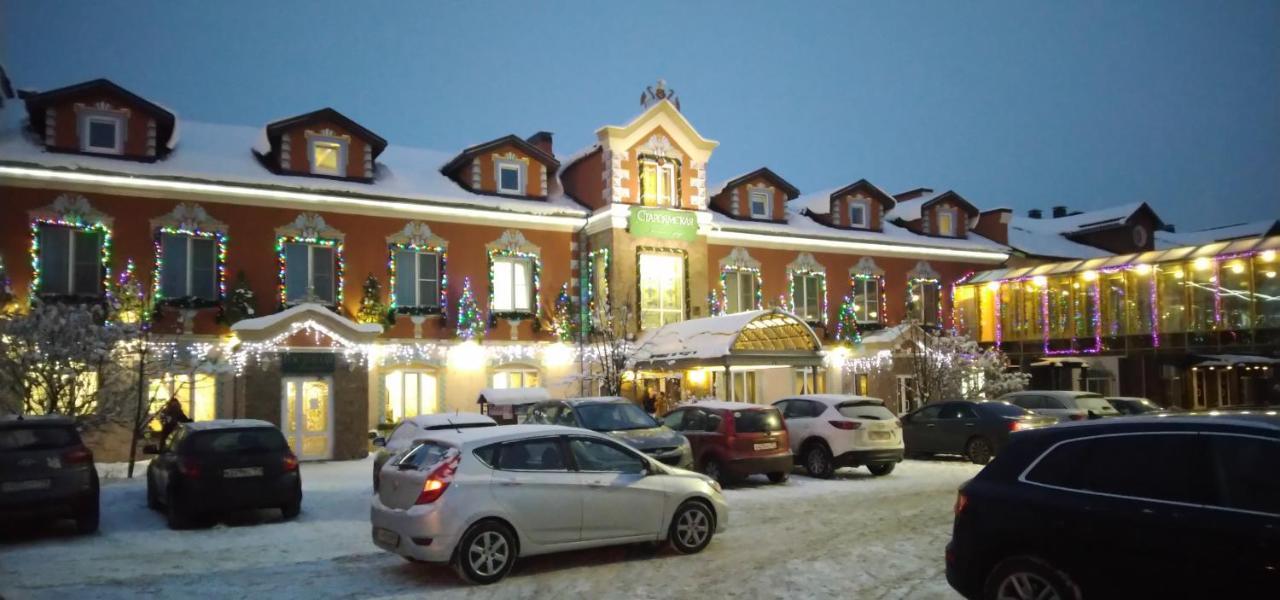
pixel 340 261
pixel 934 281
pixel 74 225
pixel 442 256
pixel 724 285
pixel 535 264
pixel 220 257
pixel 822 286
pixel 470 326
pixel 879 317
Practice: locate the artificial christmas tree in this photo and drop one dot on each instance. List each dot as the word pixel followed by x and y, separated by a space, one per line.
pixel 847 323
pixel 372 309
pixel 239 303
pixel 470 324
pixel 128 297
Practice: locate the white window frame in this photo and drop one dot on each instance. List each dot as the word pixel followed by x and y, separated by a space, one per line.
pixel 311 272
pixel 800 300
pixel 418 375
pixel 117 121
pixel 499 166
pixel 763 197
pixel 924 307
pixel 418 279
pixel 509 304
pixel 666 314
pixel 737 276
pixel 71 262
pixel 950 220
pixel 316 169
pixel 865 222
pixel 506 372
pixel 187 268
pixel 863 300
pixel 665 192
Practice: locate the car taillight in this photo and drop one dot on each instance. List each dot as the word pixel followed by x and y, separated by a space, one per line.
pixel 1015 425
pixel 846 425
pixel 77 455
pixel 961 502
pixel 438 481
pixel 1077 417
pixel 189 468
pixel 290 462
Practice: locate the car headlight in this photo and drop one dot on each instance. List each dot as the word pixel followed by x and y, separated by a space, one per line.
pixel 715 485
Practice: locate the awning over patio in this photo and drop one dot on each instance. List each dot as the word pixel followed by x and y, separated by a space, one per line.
pixel 758 337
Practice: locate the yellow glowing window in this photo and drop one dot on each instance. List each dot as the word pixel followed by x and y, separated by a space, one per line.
pixel 326 157
pixel 195 393
pixel 409 394
pixel 514 378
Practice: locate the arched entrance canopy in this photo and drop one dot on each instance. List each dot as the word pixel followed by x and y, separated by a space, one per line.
pixel 757 337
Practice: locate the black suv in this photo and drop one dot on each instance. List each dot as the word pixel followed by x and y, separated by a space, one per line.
pixel 1143 507
pixel 46 471
pixel 212 467
pixel 620 419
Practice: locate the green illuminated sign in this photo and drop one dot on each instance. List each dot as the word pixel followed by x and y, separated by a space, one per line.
pixel 663 223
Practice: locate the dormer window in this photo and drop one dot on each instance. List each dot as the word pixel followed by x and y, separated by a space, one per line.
pixel 658 183
pixel 510 177
pixel 102 133
pixel 759 200
pixel 858 214
pixel 328 157
pixel 946 222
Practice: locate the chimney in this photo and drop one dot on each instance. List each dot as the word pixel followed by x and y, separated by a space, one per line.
pixel 542 140
pixel 1035 213
pixel 1059 212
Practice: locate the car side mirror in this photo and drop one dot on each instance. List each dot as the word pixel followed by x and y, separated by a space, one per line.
pixel 380 442
pixel 151 449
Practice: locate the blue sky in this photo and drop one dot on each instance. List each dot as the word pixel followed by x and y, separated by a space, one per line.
pixel 1019 104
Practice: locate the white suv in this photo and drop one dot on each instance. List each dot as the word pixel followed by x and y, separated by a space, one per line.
pixel 478 498
pixel 829 431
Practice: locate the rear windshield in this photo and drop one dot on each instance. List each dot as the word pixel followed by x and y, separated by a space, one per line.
pixel 1003 409
pixel 863 409
pixel 424 455
pixel 1096 404
pixel 37 438
pixel 235 441
pixel 614 416
pixel 757 421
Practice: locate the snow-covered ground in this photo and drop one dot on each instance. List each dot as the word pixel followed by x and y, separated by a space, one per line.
pixel 854 536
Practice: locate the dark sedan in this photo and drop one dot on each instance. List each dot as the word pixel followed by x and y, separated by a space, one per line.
pixel 620 419
pixel 976 430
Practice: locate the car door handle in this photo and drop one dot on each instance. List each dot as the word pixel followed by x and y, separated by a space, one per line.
pixel 597 485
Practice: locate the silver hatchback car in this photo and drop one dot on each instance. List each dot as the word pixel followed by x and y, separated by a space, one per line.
pixel 478 499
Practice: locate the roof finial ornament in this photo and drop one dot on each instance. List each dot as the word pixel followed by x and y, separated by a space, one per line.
pixel 651 96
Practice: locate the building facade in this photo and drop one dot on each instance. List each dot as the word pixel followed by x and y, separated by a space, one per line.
pixel 474 255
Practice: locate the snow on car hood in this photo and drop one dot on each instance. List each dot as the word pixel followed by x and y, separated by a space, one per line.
pixel 646 439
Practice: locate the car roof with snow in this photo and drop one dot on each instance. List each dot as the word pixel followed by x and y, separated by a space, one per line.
pixel 217 424
pixel 50 420
pixel 486 435
pixel 833 399
pixel 448 420
pixel 723 405
pixel 1053 393
pixel 594 400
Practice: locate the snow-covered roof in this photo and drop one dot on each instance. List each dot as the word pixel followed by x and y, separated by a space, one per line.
pixel 1085 221
pixel 514 395
pixel 450 419
pixel 228 424
pixel 722 405
pixel 215 153
pixel 1167 239
pixel 1049 244
pixel 832 399
pixel 298 313
pixel 1227 360
pixel 909 210
pixel 719 337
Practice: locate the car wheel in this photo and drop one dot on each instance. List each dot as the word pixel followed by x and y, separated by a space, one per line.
pixel 290 511
pixel 176 515
pixel 979 451
pixel 691 528
pixel 817 461
pixel 153 502
pixel 881 469
pixel 87 517
pixel 1026 578
pixel 486 554
pixel 779 477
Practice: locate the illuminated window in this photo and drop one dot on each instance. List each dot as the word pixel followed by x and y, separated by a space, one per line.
pixel 1266 291
pixel 195 393
pixel 858 214
pixel 866 299
pixel 417 279
pixel 512 285
pixel 189 266
pixel 661 289
pixel 81 390
pixel 658 183
pixel 409 394
pixel 1172 293
pixel 742 386
pixel 510 177
pixel 740 289
pixel 102 133
pixel 759 200
pixel 70 260
pixel 808 296
pixel 309 273
pixel 515 377
pixel 600 285
pixel 328 157
pixel 946 222
pixel 804 381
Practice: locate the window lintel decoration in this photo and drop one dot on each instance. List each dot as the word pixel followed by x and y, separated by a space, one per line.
pixel 326 134
pixel 309 226
pixel 922 270
pixel 739 260
pixel 71 208
pixel 189 217
pixel 191 220
pixel 660 145
pixel 867 266
pixel 806 263
pixel 417 234
pixel 512 242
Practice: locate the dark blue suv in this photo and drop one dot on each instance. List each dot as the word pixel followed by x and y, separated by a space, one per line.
pixel 1143 507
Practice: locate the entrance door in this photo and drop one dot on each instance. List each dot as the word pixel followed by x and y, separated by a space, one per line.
pixel 306 416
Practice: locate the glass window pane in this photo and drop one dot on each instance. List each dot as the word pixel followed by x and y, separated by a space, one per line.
pixel 1173 303
pixel 87 272
pixel 1266 291
pixel 597 456
pixel 532 455
pixel 406 275
pixel 502 292
pixel 520 285
pixel 1245 470
pixel 102 134
pixel 55 259
pixel 325 156
pixel 1235 279
pixel 296 274
pixel 322 273
pixel 173 277
pixel 204 270
pixel 1201 282
pixel 510 179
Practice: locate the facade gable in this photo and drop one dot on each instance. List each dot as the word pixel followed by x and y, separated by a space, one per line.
pixel 662 135
pixel 323 143
pixel 507 166
pixel 101 118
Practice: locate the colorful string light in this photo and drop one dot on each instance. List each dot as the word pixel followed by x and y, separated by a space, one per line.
pixel 822 290
pixel 724 285
pixel 442 256
pixel 340 259
pixel 75 225
pixel 535 264
pixel 220 259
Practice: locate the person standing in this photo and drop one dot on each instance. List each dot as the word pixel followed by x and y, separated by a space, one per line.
pixel 650 401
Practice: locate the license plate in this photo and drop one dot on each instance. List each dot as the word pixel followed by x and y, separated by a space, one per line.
pixel 386 536
pixel 881 435
pixel 766 446
pixel 25 486
pixel 242 472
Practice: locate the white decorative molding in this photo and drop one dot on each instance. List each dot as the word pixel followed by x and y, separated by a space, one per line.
pixel 923 270
pixel 50 125
pixel 309 225
pixel 542 172
pixel 806 263
pixel 71 208
pixel 513 241
pixel 419 235
pixel 368 161
pixel 740 259
pixel 151 137
pixel 867 266
pixel 661 146
pixel 286 152
pixel 191 217
pixel 476 178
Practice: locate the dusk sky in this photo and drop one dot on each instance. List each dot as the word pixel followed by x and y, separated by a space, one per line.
pixel 1019 104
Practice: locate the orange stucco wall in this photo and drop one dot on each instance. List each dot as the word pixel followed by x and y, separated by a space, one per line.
pixel 584 180
pixel 251 248
pixel 961 218
pixel 489 183
pixel 632 166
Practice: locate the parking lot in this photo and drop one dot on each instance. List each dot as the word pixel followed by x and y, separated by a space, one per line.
pixel 852 536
